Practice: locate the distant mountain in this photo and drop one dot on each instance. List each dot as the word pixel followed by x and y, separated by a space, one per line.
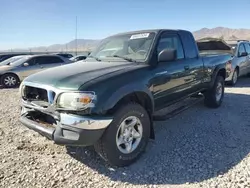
pixel 82 45
pixel 89 44
pixel 224 33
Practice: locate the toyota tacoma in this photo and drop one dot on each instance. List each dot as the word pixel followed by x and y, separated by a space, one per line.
pixel 109 100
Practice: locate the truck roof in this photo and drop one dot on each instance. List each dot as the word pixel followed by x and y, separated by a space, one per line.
pixel 150 31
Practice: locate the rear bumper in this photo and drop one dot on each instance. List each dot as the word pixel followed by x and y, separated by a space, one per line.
pixel 70 129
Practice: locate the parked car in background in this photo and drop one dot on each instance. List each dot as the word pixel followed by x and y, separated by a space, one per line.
pixel 109 101
pixel 13 73
pixel 11 60
pixel 9 55
pixel 78 58
pixel 65 55
pixel 240 61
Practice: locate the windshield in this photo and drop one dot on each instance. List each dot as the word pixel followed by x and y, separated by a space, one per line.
pixel 134 46
pixel 10 60
pixel 20 61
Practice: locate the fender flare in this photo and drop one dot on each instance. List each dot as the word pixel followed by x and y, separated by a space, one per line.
pixel 124 91
pixel 215 73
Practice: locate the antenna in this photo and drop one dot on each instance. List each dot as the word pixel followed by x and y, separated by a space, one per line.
pixel 76 36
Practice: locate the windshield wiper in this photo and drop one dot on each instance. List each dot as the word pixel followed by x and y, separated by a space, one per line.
pixel 96 58
pixel 125 58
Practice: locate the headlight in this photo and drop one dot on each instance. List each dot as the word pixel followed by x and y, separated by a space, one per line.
pixel 76 101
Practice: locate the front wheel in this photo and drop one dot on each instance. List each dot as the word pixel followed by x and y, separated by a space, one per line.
pixel 215 95
pixel 235 78
pixel 9 81
pixel 126 137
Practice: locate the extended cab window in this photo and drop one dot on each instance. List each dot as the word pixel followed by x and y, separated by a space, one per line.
pixel 171 42
pixel 247 47
pixel 48 60
pixel 241 49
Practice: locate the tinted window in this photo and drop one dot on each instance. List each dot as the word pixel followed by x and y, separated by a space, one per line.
pixel 247 47
pixel 171 42
pixel 31 61
pixel 241 49
pixel 48 60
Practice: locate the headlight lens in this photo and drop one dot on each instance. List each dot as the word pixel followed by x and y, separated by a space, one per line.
pixel 76 101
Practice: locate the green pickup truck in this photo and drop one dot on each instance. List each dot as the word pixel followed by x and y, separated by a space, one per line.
pixel 109 100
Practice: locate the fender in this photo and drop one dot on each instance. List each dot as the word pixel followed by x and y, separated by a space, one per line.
pixel 126 90
pixel 215 73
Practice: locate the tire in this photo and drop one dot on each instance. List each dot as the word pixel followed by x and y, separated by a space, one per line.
pixel 9 80
pixel 109 149
pixel 212 99
pixel 235 77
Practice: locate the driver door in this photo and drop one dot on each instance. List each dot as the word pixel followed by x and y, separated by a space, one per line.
pixel 29 67
pixel 175 79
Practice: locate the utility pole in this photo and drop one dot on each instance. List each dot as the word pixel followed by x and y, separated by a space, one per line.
pixel 76 36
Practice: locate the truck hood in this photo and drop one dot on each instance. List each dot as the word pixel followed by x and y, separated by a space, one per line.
pixel 72 76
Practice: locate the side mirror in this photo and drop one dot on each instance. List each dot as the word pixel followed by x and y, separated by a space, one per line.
pixel 243 54
pixel 26 64
pixel 167 55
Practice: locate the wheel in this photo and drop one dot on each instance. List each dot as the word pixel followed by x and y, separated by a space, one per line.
pixel 215 95
pixel 126 137
pixel 235 77
pixel 9 80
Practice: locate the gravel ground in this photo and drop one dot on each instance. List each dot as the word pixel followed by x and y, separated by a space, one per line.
pixel 200 147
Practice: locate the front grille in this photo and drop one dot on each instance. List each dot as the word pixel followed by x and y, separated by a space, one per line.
pixel 38 94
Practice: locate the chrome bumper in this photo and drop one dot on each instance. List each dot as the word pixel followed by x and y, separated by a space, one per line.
pixel 69 129
pixel 81 122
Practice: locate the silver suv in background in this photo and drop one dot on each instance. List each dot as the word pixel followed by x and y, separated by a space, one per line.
pixel 13 73
pixel 240 61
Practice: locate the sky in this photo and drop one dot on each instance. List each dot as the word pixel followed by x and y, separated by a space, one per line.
pixel 30 23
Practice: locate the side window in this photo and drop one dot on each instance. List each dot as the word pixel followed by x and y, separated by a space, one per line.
pixel 48 60
pixel 241 49
pixel 171 42
pixel 247 47
pixel 31 61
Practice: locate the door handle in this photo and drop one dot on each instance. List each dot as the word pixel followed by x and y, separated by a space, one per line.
pixel 186 67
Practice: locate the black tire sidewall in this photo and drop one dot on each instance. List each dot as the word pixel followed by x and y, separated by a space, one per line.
pixel 6 75
pixel 109 140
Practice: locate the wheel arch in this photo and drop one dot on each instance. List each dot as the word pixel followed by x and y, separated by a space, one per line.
pixel 125 95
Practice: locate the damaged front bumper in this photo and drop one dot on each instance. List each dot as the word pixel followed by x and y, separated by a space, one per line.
pixel 64 128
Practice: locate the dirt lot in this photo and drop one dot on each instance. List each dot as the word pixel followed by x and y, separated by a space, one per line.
pixel 200 147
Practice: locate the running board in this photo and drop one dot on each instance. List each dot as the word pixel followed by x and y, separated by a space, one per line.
pixel 177 108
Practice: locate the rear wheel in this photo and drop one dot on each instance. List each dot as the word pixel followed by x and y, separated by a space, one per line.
pixel 126 137
pixel 215 95
pixel 9 81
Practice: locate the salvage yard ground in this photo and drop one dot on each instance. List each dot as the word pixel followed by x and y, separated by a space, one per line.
pixel 200 147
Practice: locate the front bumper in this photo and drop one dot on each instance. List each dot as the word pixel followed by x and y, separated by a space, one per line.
pixel 68 129
pixel 229 76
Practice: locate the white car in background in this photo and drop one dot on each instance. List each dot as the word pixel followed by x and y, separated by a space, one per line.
pixel 11 60
pixel 15 72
